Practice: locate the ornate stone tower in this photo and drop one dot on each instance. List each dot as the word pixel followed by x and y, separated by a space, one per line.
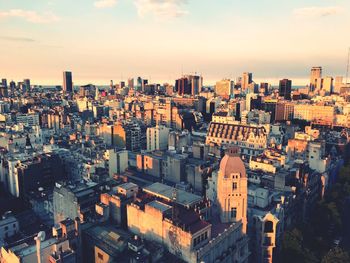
pixel 232 188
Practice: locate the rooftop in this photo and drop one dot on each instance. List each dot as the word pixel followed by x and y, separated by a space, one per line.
pixel 24 249
pixel 159 206
pixel 111 238
pixel 167 192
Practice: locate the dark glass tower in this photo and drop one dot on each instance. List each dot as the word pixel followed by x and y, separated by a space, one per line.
pixel 67 82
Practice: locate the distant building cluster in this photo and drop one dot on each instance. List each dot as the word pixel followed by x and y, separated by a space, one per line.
pixel 147 172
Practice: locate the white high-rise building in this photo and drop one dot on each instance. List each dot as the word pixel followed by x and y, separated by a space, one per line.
pixel 157 138
pixel 118 161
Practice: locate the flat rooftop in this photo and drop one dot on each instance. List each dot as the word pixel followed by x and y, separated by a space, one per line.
pixel 24 249
pixel 159 206
pixel 127 186
pixel 112 239
pixel 166 192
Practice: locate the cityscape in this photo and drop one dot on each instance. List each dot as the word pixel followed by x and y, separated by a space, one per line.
pixel 171 155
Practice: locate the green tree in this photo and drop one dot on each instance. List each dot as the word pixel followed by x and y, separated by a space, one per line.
pixel 336 255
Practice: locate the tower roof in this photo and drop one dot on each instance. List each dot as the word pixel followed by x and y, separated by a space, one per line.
pixel 232 163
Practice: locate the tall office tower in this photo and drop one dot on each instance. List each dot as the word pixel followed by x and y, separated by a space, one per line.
pixel 196 83
pixel 21 87
pixel 169 89
pixel 232 189
pixel 338 84
pixel 315 79
pixel 182 86
pixel 67 82
pixel 224 88
pixel 285 88
pixel 26 83
pixel 254 87
pixel 327 84
pixel 12 87
pixel 3 91
pixel 131 83
pixel 4 82
pixel 3 87
pixel 189 85
pixel 264 88
pixel 144 83
pixel 139 83
pixel 247 78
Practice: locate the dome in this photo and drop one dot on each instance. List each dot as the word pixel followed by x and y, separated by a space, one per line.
pixel 232 163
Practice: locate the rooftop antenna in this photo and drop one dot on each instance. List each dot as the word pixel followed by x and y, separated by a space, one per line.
pixel 347 67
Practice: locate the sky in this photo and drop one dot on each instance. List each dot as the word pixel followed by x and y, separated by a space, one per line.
pixel 103 40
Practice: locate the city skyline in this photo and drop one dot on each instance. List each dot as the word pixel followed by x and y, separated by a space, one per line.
pixel 161 39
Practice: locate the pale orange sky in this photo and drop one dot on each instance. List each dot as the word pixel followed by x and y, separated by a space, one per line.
pixel 100 40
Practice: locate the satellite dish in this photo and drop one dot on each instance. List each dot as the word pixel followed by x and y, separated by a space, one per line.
pixel 41 236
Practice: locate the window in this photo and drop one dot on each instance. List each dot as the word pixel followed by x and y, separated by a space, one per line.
pixel 100 256
pixel 234 185
pixel 233 212
pixel 268 227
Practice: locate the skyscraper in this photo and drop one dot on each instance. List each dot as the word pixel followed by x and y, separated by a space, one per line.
pixel 3 88
pixel 285 88
pixel 315 78
pixel 196 83
pixel 182 86
pixel 247 78
pixel 327 84
pixel 338 84
pixel 26 85
pixel 144 83
pixel 12 87
pixel 224 88
pixel 189 84
pixel 131 83
pixel 67 82
pixel 4 82
pixel 139 83
pixel 264 88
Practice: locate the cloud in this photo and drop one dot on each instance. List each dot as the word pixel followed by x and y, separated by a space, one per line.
pixel 161 8
pixel 30 16
pixel 315 11
pixel 105 3
pixel 17 39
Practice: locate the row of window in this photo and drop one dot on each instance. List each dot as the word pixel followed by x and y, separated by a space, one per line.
pixel 200 239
